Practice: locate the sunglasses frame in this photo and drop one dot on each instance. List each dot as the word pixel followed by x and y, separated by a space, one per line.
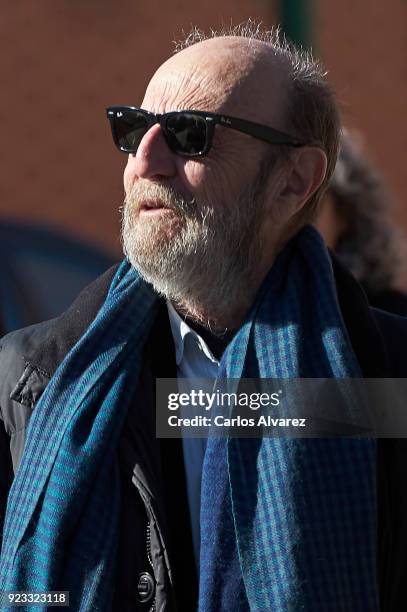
pixel 256 130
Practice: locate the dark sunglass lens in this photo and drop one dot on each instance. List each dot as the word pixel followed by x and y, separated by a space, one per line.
pixel 130 127
pixel 186 133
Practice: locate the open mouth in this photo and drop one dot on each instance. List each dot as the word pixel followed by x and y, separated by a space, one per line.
pixel 151 206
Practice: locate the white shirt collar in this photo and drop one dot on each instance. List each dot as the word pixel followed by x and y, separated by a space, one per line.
pixel 180 329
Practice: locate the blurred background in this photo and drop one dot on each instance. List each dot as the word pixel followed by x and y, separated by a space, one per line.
pixel 64 61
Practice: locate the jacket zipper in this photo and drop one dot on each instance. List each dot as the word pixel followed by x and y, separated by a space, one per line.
pixel 153 606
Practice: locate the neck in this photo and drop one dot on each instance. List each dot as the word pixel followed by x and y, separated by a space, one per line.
pixel 216 342
pixel 217 322
pixel 221 319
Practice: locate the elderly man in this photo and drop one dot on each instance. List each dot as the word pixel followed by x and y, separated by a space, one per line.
pixel 233 144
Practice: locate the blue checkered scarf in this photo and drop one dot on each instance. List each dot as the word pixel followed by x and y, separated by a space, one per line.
pixel 61 523
pixel 289 525
pixel 303 511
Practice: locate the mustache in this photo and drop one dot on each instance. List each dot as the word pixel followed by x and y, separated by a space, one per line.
pixel 164 194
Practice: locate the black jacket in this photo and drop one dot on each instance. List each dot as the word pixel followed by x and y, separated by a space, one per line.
pixel 155 558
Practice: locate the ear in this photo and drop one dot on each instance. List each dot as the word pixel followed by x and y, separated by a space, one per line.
pixel 306 173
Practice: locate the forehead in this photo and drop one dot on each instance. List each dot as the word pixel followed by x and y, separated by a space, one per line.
pixel 227 76
pixel 182 88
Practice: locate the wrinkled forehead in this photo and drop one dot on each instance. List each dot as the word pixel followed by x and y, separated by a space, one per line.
pixel 216 76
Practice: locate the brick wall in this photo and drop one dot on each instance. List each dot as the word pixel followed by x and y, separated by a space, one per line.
pixel 63 62
pixel 364 45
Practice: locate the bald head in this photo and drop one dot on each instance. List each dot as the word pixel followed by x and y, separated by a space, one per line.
pixel 231 74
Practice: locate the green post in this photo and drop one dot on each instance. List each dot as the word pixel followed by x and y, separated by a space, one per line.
pixel 296 21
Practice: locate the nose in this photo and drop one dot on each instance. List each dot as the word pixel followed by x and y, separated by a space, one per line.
pixel 153 159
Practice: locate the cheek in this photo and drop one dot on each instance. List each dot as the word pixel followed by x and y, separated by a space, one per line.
pixel 192 174
pixel 195 177
pixel 211 181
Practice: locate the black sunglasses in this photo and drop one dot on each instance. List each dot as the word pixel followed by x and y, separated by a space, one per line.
pixel 188 132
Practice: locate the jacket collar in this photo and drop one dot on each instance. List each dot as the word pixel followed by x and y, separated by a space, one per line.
pixel 41 360
pixel 65 331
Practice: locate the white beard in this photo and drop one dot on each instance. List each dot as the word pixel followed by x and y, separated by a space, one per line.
pixel 196 255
